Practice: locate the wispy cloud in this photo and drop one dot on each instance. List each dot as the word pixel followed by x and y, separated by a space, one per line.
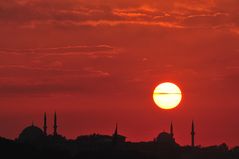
pixel 91 51
pixel 183 14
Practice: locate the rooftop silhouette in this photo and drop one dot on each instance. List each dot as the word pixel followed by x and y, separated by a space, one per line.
pixel 34 142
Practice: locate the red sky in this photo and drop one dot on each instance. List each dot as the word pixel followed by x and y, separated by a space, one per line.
pixel 96 63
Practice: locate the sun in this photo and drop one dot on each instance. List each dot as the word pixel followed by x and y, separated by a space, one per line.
pixel 167 95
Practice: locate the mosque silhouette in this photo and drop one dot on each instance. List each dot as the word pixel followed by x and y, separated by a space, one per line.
pixel 34 142
pixel 34 134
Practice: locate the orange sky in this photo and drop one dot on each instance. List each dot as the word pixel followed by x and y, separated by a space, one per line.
pixel 96 63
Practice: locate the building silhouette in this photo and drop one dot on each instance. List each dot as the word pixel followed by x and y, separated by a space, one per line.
pixel 94 138
pixel 192 135
pixel 55 125
pixel 168 137
pixel 165 137
pixel 34 142
pixel 171 129
pixel 45 125
pixel 117 138
pixel 33 134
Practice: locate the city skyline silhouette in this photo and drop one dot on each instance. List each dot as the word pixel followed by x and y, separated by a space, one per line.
pixel 34 142
pixel 119 79
pixel 44 131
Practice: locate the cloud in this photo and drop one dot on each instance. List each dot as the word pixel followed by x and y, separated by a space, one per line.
pixel 116 23
pixel 208 20
pixel 33 14
pixel 91 51
pixel 36 72
pixel 25 80
pixel 60 50
pixel 144 30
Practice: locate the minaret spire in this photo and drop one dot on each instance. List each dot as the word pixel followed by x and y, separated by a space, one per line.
pixel 115 135
pixel 116 129
pixel 192 134
pixel 171 129
pixel 45 125
pixel 55 125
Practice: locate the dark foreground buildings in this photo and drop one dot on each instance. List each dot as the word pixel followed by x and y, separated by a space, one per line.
pixel 35 135
pixel 35 143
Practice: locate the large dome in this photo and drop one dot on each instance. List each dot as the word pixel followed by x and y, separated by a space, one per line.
pixel 31 134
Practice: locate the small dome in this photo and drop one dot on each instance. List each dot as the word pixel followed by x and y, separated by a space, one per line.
pixel 165 137
pixel 31 134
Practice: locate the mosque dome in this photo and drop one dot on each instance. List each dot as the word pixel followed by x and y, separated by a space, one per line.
pixel 31 134
pixel 165 137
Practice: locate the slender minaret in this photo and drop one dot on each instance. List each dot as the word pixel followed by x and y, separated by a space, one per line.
pixel 171 129
pixel 55 125
pixel 116 130
pixel 115 135
pixel 192 135
pixel 45 125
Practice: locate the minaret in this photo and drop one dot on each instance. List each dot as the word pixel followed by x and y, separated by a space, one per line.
pixel 44 126
pixel 55 125
pixel 115 135
pixel 192 135
pixel 116 130
pixel 171 129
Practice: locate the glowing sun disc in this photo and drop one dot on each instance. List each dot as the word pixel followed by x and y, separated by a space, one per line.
pixel 167 95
